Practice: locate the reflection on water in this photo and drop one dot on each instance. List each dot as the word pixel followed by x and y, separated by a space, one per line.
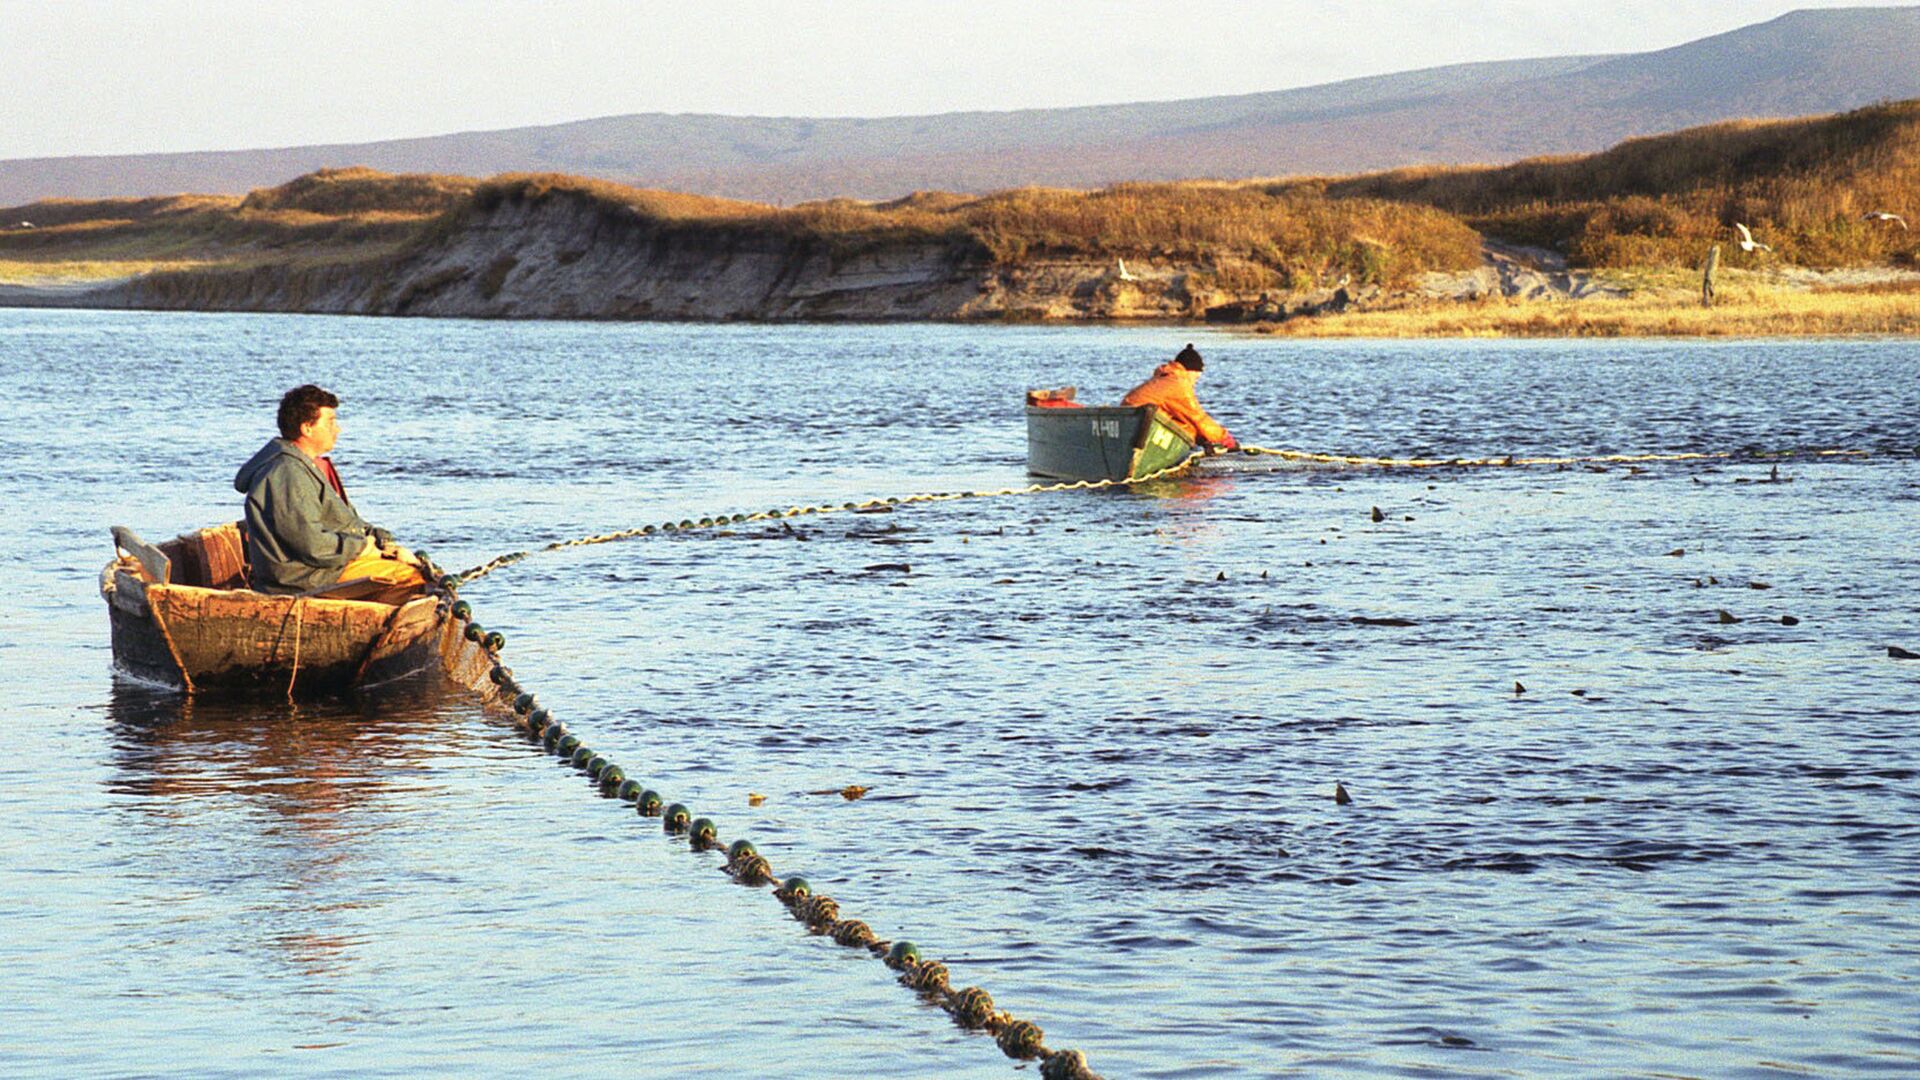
pixel 275 797
pixel 1100 729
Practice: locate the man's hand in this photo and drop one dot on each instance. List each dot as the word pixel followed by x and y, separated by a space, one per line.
pixel 395 551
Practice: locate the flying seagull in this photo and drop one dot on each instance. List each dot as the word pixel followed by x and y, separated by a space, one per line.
pixel 1747 242
pixel 1124 276
pixel 1882 215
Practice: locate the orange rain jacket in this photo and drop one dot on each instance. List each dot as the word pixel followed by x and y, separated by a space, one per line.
pixel 1171 389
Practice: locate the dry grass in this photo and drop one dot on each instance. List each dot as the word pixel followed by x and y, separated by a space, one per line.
pixel 1742 310
pixel 1266 239
pixel 86 272
pixel 336 192
pixel 1801 185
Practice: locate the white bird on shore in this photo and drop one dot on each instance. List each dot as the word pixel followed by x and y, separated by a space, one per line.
pixel 29 225
pixel 1747 242
pixel 1124 276
pixel 1882 215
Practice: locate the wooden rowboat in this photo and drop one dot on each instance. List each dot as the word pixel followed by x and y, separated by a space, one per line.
pixel 1071 442
pixel 183 617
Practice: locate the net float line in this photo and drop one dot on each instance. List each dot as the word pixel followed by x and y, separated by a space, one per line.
pixel 1510 460
pixel 971 1007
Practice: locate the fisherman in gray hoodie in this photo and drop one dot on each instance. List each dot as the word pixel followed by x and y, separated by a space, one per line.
pixel 302 533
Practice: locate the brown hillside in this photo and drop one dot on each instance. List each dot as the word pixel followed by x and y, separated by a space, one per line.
pixel 1802 186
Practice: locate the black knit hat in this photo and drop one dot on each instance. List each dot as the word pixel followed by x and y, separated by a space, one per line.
pixel 1189 358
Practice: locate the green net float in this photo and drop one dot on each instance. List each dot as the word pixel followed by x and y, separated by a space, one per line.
pixel 494 641
pixel 596 765
pixel 704 833
pixel 610 775
pixel 901 952
pixel 581 755
pixel 973 1007
pixel 677 818
pixel 668 526
pixel 475 631
pixel 462 610
pixel 796 888
pixel 706 522
pixel 1020 1039
pixel 524 703
pixel 686 523
pixel 554 733
pixel 567 745
pixel 538 719
pixel 1066 1064
pixel 500 675
pixel 450 582
pixel 741 848
pixel 628 790
pixel 648 803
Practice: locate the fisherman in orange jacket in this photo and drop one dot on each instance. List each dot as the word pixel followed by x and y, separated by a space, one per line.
pixel 1171 389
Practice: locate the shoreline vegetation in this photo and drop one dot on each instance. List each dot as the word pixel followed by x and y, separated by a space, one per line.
pixel 1608 244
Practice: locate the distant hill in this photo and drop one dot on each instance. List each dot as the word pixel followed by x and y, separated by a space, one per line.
pixel 1805 62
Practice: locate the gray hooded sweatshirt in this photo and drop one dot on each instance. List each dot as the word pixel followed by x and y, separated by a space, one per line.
pixel 300 532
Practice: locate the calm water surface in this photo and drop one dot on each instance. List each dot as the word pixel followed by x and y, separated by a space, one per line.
pixel 1101 729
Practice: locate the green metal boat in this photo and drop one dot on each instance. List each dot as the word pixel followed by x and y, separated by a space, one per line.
pixel 1072 442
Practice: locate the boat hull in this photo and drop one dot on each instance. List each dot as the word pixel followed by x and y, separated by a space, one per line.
pixel 1107 443
pixel 195 638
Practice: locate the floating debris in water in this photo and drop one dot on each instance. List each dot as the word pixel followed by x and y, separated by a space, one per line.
pixel 1898 653
pixel 1340 796
pixel 1377 515
pixel 899 567
pixel 1222 576
pixel 1367 620
pixel 1788 620
pixel 1517 688
pixel 849 793
pixel 1758 585
pixel 1727 617
pixel 1677 552
pixel 754 798
pixel 1578 693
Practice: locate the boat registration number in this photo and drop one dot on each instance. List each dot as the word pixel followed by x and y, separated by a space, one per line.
pixel 1106 429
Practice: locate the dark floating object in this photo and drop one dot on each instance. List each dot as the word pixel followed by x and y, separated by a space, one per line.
pixel 1222 577
pixel 474 631
pixel 1728 617
pixel 1377 515
pixel 1340 796
pixel 1711 580
pixel 462 610
pixel 901 952
pixel 795 889
pixel 494 641
pixel 1579 693
pixel 1758 585
pixel 648 804
pixel 1898 653
pixel 677 818
pixel 1517 688
pixel 704 834
pixel 1677 552
pixel 1367 620
pixel 899 567
pixel 1788 620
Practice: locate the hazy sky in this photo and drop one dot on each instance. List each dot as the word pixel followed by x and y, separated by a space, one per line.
pixel 124 76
